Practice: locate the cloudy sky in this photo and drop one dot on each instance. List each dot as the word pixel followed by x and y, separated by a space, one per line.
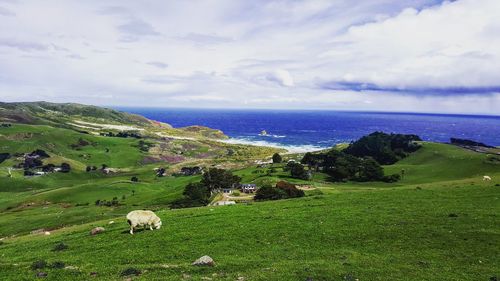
pixel 384 55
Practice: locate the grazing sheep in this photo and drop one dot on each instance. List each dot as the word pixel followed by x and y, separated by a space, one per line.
pixel 143 218
pixel 486 178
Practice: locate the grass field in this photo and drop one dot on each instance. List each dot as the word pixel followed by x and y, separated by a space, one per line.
pixel 440 222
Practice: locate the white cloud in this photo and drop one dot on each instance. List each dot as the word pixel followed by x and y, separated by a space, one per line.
pixel 413 55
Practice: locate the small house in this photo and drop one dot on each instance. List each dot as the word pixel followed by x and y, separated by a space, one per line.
pixel 227 191
pixel 248 187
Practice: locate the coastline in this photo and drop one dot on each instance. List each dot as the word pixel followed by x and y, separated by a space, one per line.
pixel 291 149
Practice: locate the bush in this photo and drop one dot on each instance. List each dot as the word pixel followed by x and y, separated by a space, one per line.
pixel 131 271
pixel 282 190
pixel 290 189
pixel 60 247
pixel 58 265
pixel 236 193
pixel 391 178
pixel 134 179
pixel 38 264
pixel 269 193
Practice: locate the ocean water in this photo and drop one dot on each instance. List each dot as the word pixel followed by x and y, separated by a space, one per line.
pixel 300 131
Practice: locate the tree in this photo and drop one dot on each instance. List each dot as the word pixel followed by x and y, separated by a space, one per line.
pixel 385 148
pixel 297 171
pixel 290 189
pixel 370 170
pixel 197 192
pixel 65 168
pixel 216 179
pixel 282 190
pixel 269 192
pixel 277 158
pixel 312 160
pixel 134 179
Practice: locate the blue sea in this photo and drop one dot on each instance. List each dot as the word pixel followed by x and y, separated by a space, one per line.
pixel 311 130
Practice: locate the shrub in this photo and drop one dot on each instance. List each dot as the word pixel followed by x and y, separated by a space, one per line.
pixel 391 178
pixel 269 193
pixel 60 247
pixel 131 271
pixel 236 193
pixel 134 179
pixel 58 265
pixel 38 264
pixel 282 190
pixel 290 189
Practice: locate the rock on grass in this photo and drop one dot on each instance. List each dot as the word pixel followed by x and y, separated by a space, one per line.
pixel 204 261
pixel 97 230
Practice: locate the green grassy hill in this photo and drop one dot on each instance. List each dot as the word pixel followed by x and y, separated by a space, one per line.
pixel 440 222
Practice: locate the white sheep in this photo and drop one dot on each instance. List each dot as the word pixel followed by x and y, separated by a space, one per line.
pixel 143 218
pixel 486 178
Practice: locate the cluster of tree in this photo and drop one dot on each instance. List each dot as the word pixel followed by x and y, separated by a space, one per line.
pixel 144 145
pixel 113 202
pixel 81 143
pixel 190 171
pixel 466 142
pixel 282 190
pixel 94 168
pixel 341 166
pixel 199 193
pixel 122 135
pixel 297 170
pixel 90 168
pixel 386 149
pixel 6 125
pixel 39 153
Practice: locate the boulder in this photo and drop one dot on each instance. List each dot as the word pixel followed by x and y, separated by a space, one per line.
pixel 97 230
pixel 204 261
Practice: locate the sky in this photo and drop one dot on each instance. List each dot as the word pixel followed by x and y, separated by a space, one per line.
pixel 380 55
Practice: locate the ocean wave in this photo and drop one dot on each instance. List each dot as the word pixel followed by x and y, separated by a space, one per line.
pixel 289 148
pixel 274 136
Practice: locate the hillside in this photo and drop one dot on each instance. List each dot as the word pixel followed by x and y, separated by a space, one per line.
pixel 96 120
pixel 346 230
pixel 438 218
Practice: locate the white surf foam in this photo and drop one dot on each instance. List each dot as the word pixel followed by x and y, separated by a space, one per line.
pixel 289 148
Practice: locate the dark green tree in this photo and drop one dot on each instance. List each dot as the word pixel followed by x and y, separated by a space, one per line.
pixel 216 179
pixel 277 158
pixel 370 170
pixel 297 171
pixel 65 168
